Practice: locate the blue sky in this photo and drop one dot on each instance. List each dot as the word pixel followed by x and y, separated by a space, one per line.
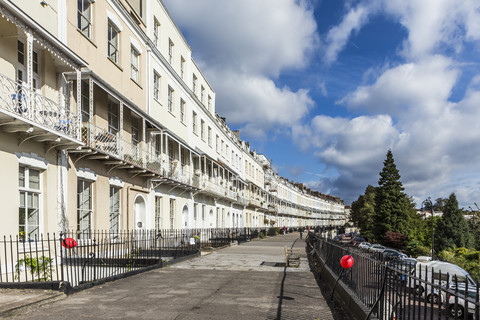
pixel 325 87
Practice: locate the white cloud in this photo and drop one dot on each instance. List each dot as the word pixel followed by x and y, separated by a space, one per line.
pixel 338 36
pixel 244 45
pixel 257 102
pixel 424 85
pixel 432 25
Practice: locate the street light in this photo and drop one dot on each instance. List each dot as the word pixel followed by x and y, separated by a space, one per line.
pixel 427 203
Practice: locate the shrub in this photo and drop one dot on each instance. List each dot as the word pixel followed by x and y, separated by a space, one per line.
pixel 273 231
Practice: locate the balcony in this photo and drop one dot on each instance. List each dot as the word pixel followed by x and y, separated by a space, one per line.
pixel 24 110
pixel 176 171
pixel 242 200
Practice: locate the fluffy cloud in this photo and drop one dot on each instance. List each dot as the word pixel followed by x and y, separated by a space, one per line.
pixel 432 25
pixel 433 137
pixel 245 44
pixel 425 85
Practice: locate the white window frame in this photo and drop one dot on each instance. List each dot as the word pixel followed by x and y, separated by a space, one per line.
pixel 114 209
pixel 113 42
pixel 156 85
pixel 182 67
pixel 28 191
pixel 194 122
pixel 182 110
pixel 202 130
pixel 158 212
pixel 87 233
pixel 170 51
pixel 85 14
pixel 170 99
pixel 209 136
pixel 113 127
pixel 172 213
pixel 135 64
pixel 194 84
pixel 156 32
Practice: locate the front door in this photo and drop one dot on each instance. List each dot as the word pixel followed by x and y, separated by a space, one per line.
pixel 185 217
pixel 140 214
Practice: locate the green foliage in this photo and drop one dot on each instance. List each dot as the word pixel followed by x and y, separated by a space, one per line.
pixel 363 210
pixel 474 225
pixel 393 208
pixel 273 231
pixel 452 229
pixel 467 259
pixel 131 256
pixel 40 267
pixel 415 248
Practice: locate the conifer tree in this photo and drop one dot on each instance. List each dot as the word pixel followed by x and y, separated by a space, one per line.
pixel 452 229
pixel 393 208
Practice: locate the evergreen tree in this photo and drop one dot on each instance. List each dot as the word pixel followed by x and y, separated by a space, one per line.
pixel 393 208
pixel 452 229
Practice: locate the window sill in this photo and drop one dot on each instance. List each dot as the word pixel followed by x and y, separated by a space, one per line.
pixel 183 123
pixel 89 40
pixel 158 101
pixel 116 65
pixel 135 81
pixel 171 112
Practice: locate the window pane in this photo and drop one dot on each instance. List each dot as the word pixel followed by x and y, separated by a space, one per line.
pixel 114 209
pixel 21 177
pixel 21 52
pixel 34 180
pixel 84 209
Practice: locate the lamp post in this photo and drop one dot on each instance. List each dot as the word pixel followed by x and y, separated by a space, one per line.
pixel 427 203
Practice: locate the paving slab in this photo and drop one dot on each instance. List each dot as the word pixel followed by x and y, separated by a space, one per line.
pixel 230 283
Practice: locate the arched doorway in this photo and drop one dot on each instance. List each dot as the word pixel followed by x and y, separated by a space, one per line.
pixel 140 213
pixel 185 217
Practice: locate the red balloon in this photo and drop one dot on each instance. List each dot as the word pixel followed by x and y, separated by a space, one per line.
pixel 69 243
pixel 346 261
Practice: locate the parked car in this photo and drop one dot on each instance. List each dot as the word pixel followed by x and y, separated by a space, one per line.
pixel 374 248
pixel 356 241
pixel 457 310
pixel 440 273
pixel 364 245
pixel 392 254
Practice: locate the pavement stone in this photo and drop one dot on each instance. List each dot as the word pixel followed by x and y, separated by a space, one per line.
pixel 230 283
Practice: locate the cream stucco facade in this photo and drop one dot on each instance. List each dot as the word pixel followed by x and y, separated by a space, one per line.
pixel 107 123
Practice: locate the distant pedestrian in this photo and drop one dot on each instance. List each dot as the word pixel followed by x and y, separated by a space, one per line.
pixel 301 233
pixel 284 230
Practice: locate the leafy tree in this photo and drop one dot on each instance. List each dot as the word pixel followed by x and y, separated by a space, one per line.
pixel 393 208
pixel 452 229
pixel 363 210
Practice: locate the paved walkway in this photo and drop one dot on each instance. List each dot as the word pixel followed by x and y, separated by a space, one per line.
pixel 231 283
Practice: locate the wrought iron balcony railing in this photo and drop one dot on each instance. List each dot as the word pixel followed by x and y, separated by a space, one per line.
pixel 110 144
pixel 23 103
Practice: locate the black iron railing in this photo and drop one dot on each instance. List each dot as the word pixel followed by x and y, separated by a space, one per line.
pixel 396 289
pixel 83 258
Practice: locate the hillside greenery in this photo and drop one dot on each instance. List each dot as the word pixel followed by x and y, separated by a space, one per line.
pixel 386 214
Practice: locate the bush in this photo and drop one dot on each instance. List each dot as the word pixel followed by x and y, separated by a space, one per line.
pixel 415 249
pixel 273 231
pixel 395 240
